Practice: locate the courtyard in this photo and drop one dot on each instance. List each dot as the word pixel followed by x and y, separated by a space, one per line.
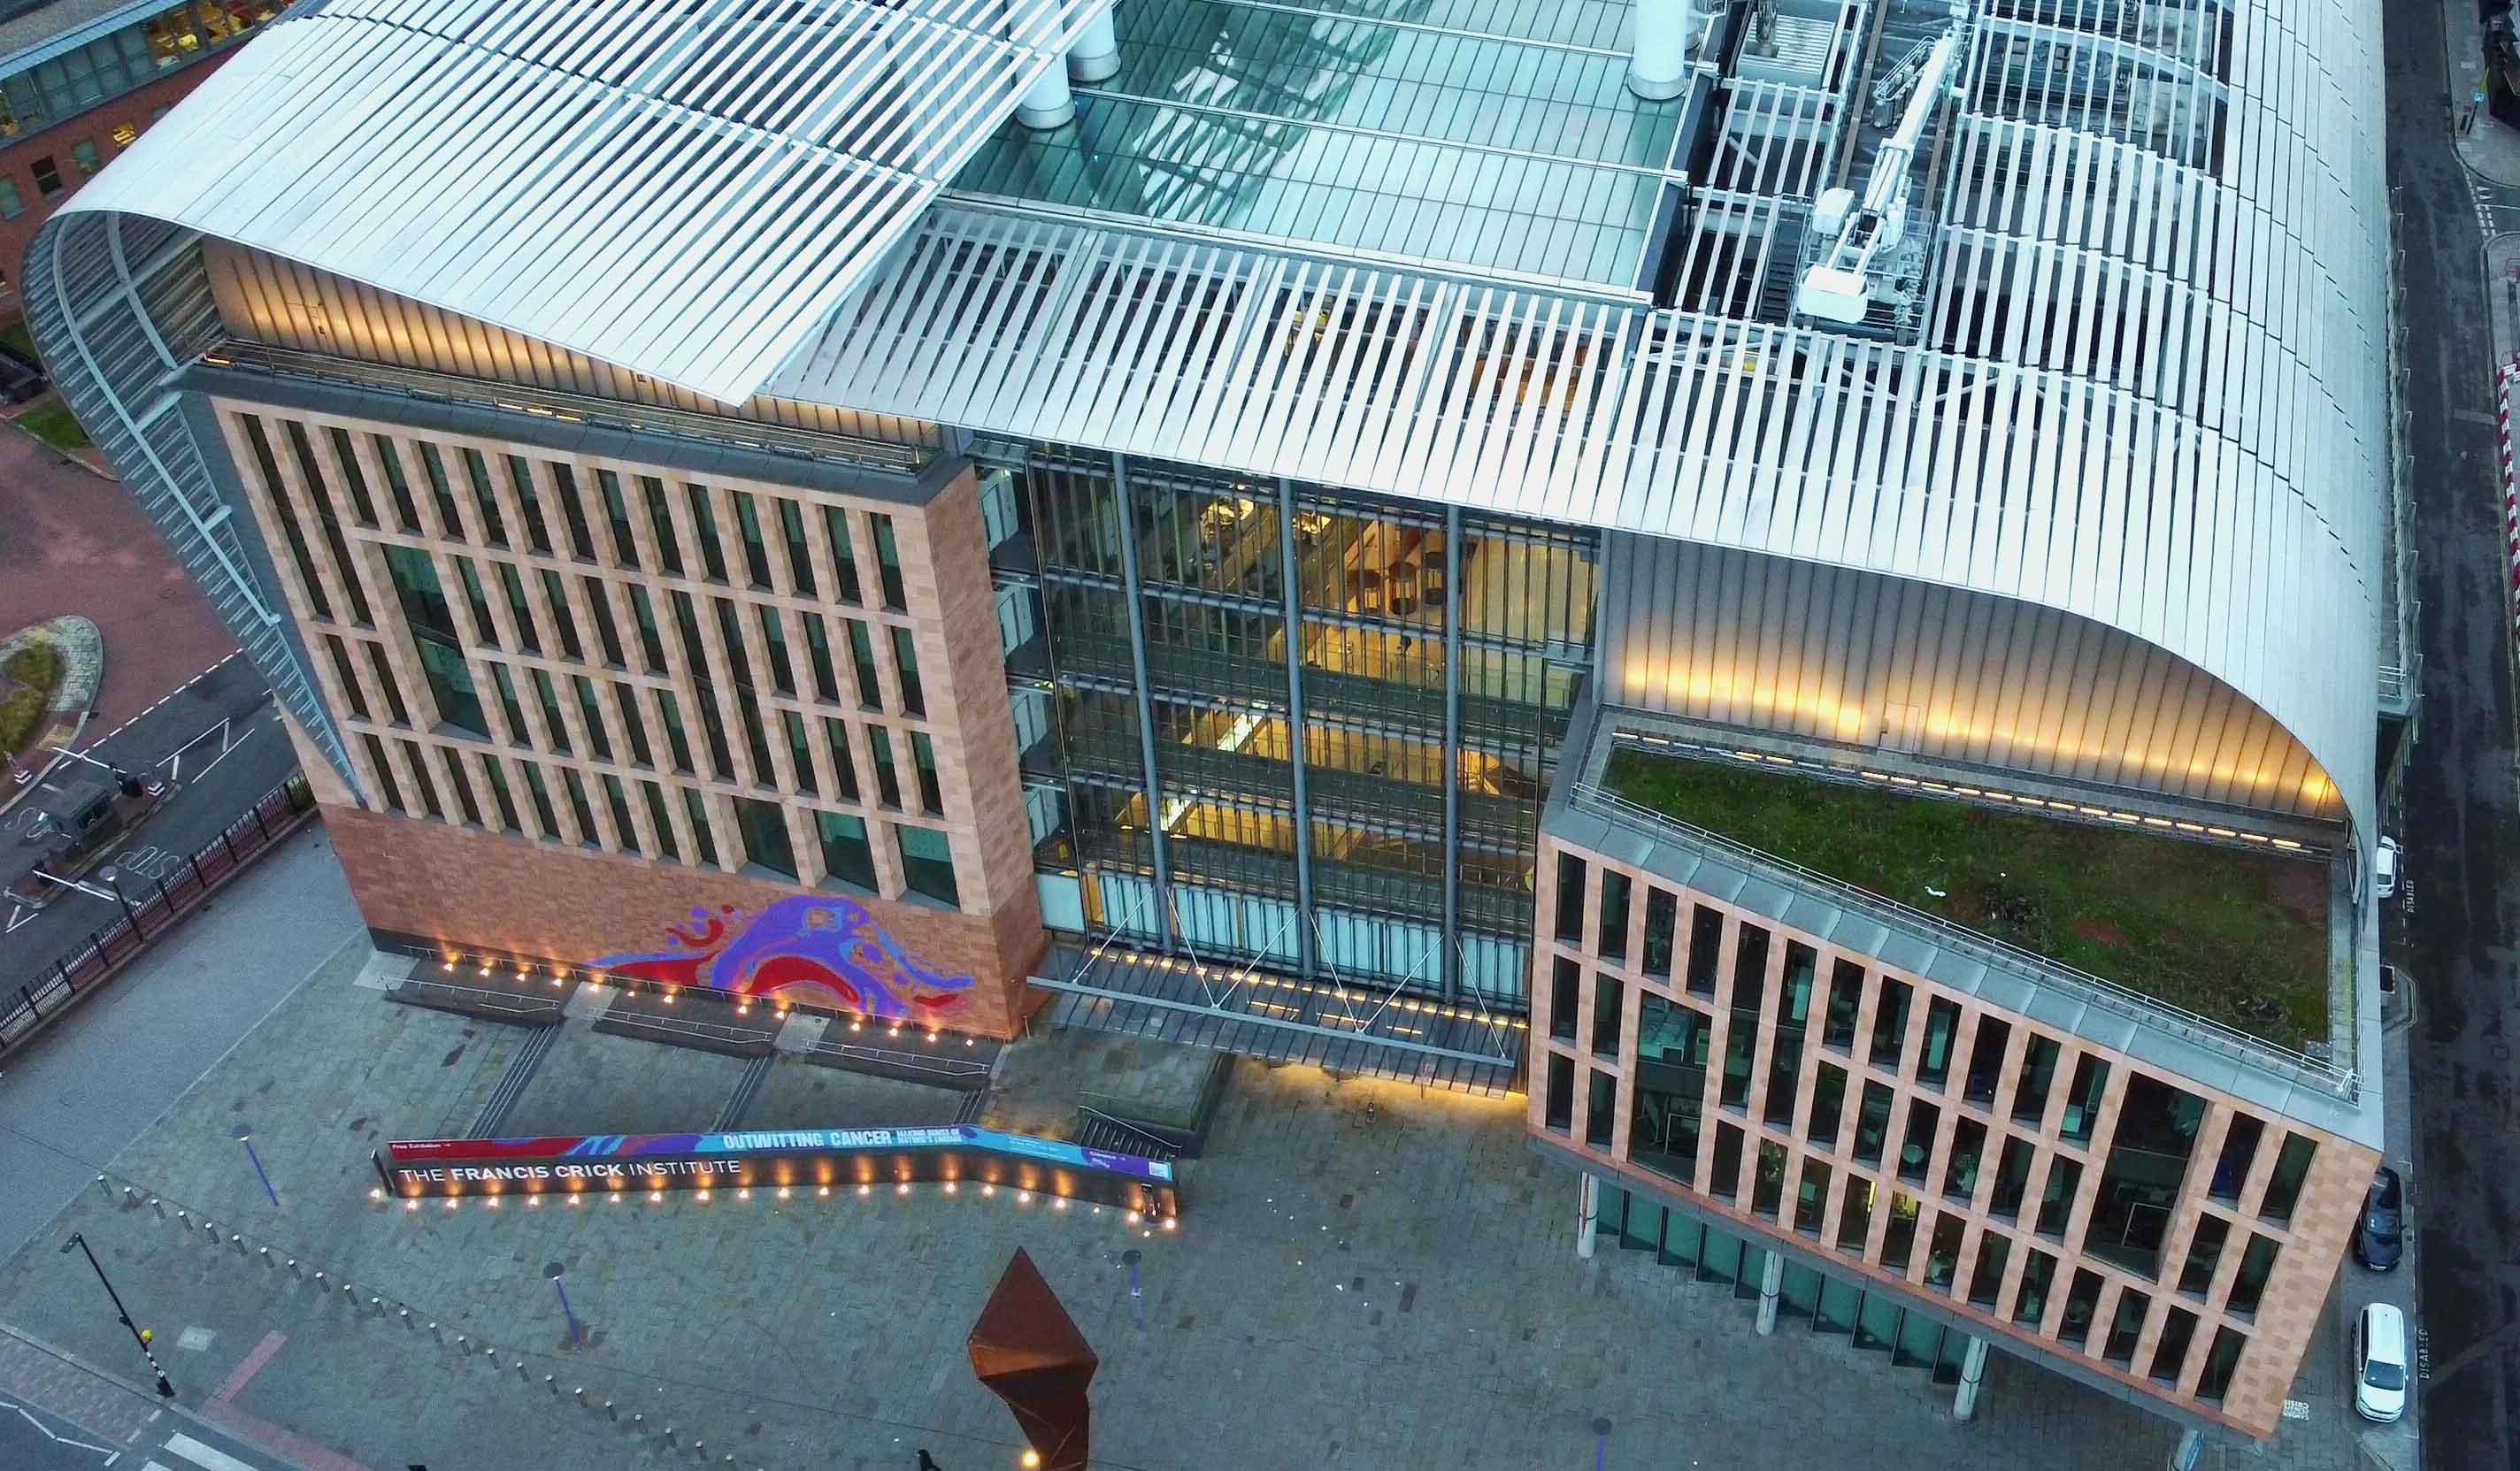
pixel 1366 1273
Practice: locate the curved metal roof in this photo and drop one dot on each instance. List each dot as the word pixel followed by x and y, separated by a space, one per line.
pixel 2142 377
pixel 682 188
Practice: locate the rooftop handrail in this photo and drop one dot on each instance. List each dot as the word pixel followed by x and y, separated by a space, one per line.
pixel 2134 1005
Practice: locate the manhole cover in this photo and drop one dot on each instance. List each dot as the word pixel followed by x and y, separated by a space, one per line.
pixel 194 1339
pixel 2296 1409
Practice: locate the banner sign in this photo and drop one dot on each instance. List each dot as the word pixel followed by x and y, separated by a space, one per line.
pixel 806 1157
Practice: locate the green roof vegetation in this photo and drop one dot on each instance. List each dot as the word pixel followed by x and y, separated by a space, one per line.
pixel 51 421
pixel 2238 936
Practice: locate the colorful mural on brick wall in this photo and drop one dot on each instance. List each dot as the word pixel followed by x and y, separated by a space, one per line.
pixel 809 950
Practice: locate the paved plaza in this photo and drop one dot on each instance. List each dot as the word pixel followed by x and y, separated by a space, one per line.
pixel 1366 1274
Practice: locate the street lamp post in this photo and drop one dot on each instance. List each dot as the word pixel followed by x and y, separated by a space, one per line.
pixel 244 1135
pixel 112 877
pixel 552 1270
pixel 1137 1289
pixel 165 1388
pixel 1601 1442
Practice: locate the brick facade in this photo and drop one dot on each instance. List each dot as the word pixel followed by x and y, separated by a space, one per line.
pixel 1810 1143
pixel 512 897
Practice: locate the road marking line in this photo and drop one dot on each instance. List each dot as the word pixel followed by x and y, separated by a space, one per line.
pixel 252 1365
pixel 58 1440
pixel 200 1455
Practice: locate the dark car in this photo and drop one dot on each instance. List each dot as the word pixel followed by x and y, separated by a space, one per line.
pixel 2380 1238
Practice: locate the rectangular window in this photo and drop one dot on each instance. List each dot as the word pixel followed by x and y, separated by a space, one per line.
pixel 442 492
pixel 520 477
pixel 1811 1197
pixel 2057 1201
pixel 888 776
pixel 1727 1180
pixel 541 794
pixel 1662 917
pixel 461 786
pixel 590 707
pixel 1899 1238
pixel 495 771
pixel 801 558
pixel 2204 1255
pixel 2038 1276
pixel 563 622
pixel 2239 1151
pixel 818 651
pixel 2011 1179
pixel 1558 1103
pixel 494 527
pixel 85 154
pixel 287 516
pixel 1570 899
pixel 1845 1005
pixel 48 176
pixel 704 524
pixel 1600 1109
pixel 904 658
pixel 618 799
pixel 391 686
pixel 2038 1075
pixel 384 774
pixel 348 673
pixel 547 697
pixel 1872 1123
pixel 2082 1304
pixel 355 480
pixel 2220 1361
pixel 927 864
pixel 1942 1027
pixel 1855 1214
pixel 800 751
pixel 835 736
pixel 601 606
pixel 847 855
pixel 1670 1087
pixel 12 203
pixel 1785 1048
pixel 757 551
pixel 2147 1159
pixel 477 602
pixel 695 805
pixel 589 834
pixel 862 654
pixel 661 818
pixel 616 516
pixel 1609 997
pixel 887 562
pixel 1986 1280
pixel 2257 1264
pixel 660 523
pixel 581 540
pixel 529 636
pixel 923 760
pixel 774 648
pixel 651 642
pixel 1705 948
pixel 1916 1151
pixel 1769 1186
pixel 1829 1103
pixel 1615 890
pixel 2083 1099
pixel 844 555
pixel 1968 1147
pixel 451 689
pixel 1890 1024
pixel 1567 986
pixel 676 741
pixel 2292 1168
pixel 390 460
pixel 2126 1325
pixel 1943 1251
pixel 765 836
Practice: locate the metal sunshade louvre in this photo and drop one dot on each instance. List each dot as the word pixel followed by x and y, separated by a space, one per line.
pixel 686 191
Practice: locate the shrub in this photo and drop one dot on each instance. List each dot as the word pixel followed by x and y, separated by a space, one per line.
pixel 37 666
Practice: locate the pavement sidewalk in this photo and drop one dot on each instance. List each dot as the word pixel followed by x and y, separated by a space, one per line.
pixel 2491 150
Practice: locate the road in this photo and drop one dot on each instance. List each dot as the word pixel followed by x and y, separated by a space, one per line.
pixel 218 738
pixel 2462 822
pixel 58 1417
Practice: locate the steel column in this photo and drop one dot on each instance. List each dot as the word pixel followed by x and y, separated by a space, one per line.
pixel 1158 843
pixel 1452 940
pixel 1290 585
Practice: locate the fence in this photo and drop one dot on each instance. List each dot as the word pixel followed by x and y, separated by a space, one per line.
pixel 66 977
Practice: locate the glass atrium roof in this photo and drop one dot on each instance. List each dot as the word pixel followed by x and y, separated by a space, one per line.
pixel 1493 134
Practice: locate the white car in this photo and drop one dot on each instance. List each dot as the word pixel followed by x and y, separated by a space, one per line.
pixel 2384 869
pixel 2380 1363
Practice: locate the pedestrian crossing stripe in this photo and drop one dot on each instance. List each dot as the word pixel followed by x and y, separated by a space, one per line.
pixel 209 1457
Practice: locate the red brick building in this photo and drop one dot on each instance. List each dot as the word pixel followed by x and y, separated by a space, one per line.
pixel 79 79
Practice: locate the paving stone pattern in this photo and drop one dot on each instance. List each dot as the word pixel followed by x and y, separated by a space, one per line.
pixel 1367 1276
pixel 802 1095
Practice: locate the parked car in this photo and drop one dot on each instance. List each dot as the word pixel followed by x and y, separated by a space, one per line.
pixel 2380 1363
pixel 2380 1237
pixel 2384 869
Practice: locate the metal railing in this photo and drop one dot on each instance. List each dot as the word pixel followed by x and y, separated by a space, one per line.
pixel 2229 1041
pixel 684 424
pixel 68 977
pixel 1140 1142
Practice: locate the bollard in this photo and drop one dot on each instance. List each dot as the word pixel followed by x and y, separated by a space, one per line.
pixel 102 1188
pixel 159 1206
pixel 406 1316
pixel 238 1241
pixel 186 1216
pixel 522 1376
pixel 609 1413
pixel 433 1333
pixel 319 1280
pixel 669 1435
pixel 552 1384
pixel 130 1196
pixel 376 1306
pixel 293 1269
pixel 265 1252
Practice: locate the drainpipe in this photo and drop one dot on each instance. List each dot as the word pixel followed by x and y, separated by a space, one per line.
pixel 1972 1375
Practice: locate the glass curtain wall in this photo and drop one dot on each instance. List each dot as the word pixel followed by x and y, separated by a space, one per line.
pixel 1302 824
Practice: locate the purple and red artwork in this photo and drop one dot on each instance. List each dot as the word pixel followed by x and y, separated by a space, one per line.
pixel 810 949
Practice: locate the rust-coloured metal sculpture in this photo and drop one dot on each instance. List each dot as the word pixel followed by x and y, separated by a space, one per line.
pixel 1028 1352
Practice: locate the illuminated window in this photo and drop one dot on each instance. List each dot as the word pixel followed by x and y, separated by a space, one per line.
pixel 125 134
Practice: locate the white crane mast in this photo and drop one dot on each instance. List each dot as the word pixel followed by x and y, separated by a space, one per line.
pixel 1839 287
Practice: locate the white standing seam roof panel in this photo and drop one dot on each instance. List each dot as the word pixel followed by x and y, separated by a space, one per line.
pixel 684 189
